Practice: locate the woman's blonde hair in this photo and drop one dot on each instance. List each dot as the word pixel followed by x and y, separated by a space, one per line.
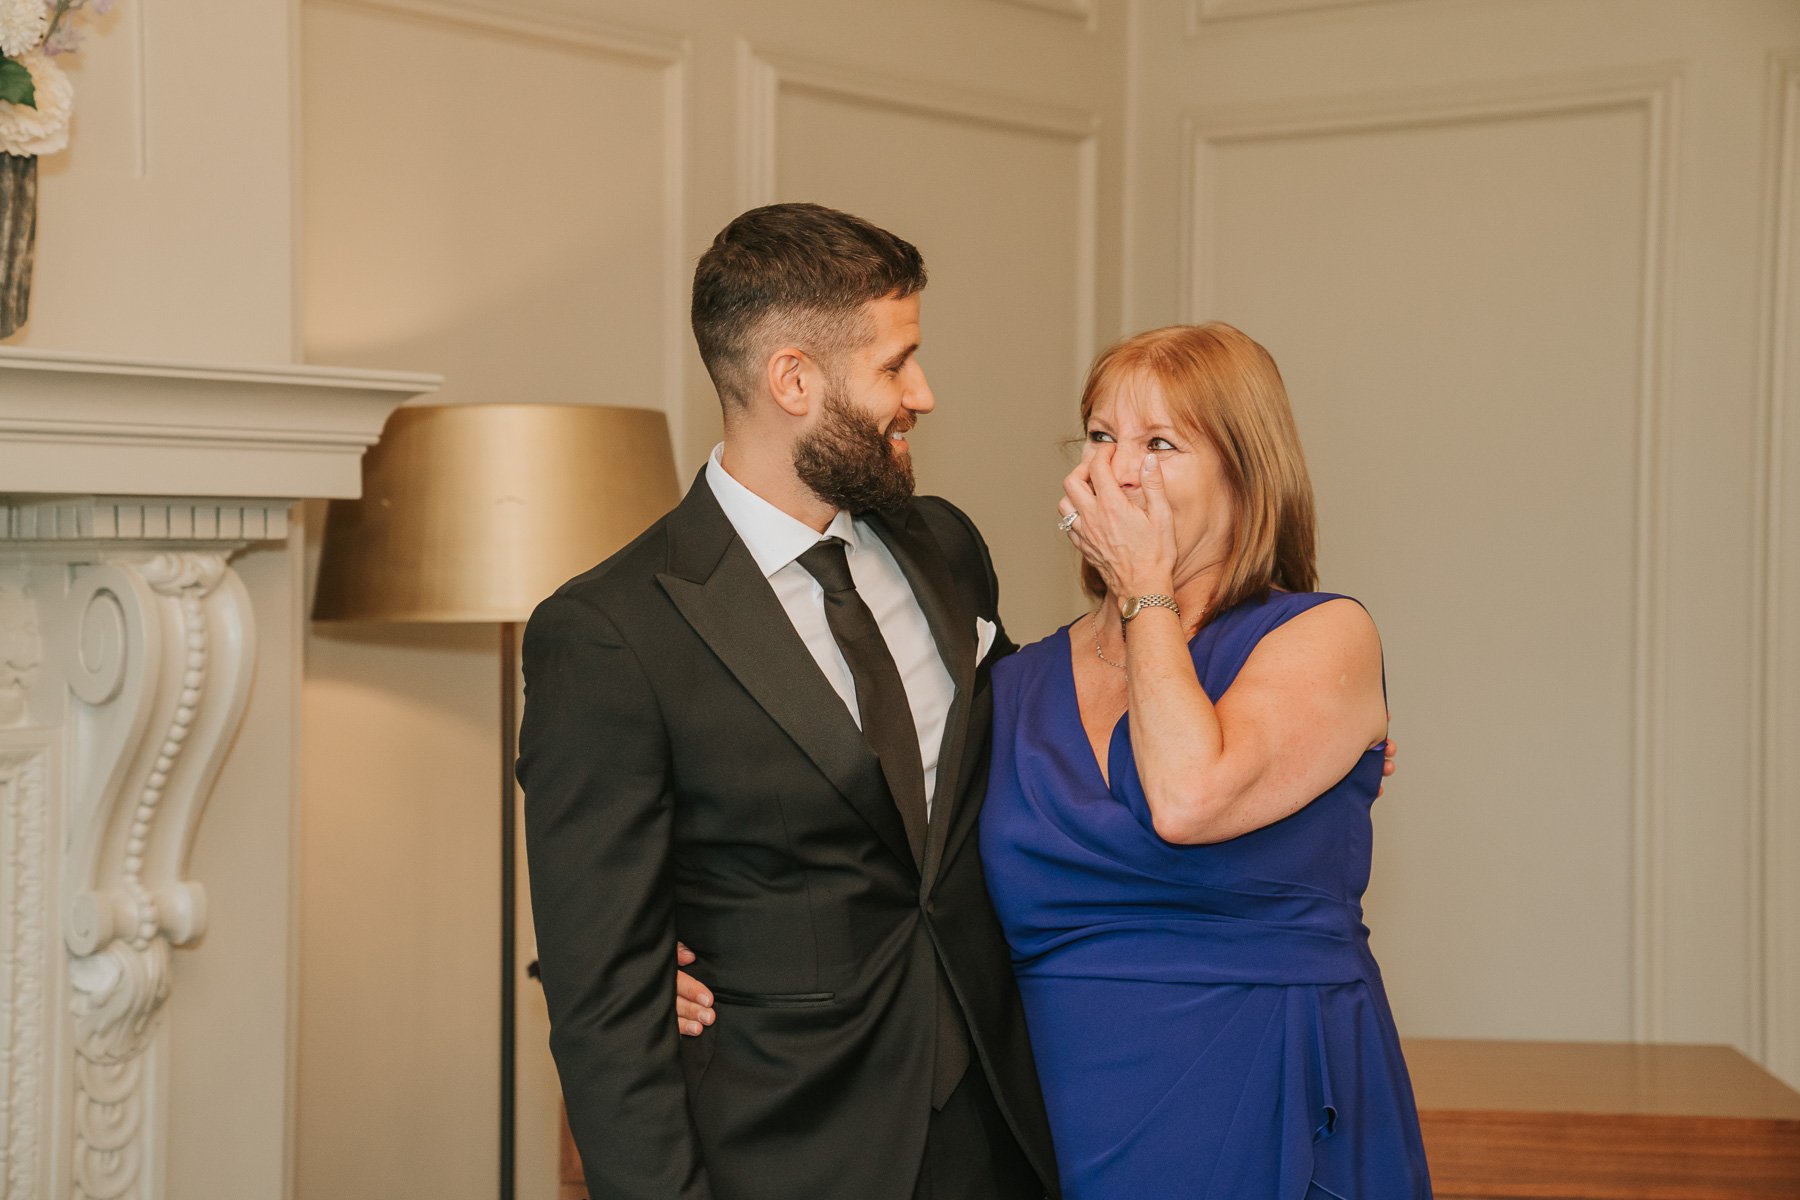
pixel 1221 385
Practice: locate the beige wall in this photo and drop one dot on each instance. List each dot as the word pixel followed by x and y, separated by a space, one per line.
pixel 541 249
pixel 1533 307
pixel 167 228
pixel 1775 621
pixel 1511 256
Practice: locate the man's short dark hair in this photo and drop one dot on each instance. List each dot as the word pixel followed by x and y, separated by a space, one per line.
pixel 792 273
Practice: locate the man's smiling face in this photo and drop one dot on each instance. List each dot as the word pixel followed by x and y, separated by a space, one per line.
pixel 856 456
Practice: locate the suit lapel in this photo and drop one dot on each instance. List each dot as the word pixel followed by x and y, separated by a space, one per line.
pixel 717 586
pixel 952 624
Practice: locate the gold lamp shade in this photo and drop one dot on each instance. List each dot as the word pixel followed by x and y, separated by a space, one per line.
pixel 475 512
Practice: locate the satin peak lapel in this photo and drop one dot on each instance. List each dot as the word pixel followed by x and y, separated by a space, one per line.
pixel 723 595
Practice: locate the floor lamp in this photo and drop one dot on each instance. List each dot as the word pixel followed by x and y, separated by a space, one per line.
pixel 474 513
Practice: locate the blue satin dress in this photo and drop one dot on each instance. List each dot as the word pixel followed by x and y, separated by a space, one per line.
pixel 1208 1021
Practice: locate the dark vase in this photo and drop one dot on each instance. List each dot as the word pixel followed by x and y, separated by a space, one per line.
pixel 18 237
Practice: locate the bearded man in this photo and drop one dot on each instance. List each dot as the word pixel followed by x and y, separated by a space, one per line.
pixel 762 728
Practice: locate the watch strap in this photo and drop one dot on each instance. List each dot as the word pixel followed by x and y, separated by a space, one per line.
pixel 1137 604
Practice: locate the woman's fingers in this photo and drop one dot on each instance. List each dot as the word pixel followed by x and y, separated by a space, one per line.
pixel 1387 762
pixel 1156 500
pixel 1078 498
pixel 1106 484
pixel 693 1005
pixel 1078 486
pixel 1094 487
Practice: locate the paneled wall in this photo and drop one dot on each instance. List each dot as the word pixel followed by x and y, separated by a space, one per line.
pixel 1010 308
pixel 531 249
pixel 167 227
pixel 513 194
pixel 1775 770
pixel 1535 317
pixel 1529 268
pixel 1534 222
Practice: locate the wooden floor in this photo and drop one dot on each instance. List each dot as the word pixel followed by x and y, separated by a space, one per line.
pixel 1603 1121
pixel 1583 1121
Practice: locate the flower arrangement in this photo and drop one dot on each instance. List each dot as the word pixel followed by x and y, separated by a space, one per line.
pixel 36 98
pixel 36 101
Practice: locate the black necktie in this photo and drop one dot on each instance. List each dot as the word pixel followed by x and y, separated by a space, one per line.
pixel 887 720
pixel 887 724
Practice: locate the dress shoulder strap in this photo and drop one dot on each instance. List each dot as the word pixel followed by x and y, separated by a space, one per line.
pixel 1225 645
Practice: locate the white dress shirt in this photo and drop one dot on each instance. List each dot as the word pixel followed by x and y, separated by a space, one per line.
pixel 775 540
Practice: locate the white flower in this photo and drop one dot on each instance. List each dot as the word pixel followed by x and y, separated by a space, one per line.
pixel 22 25
pixel 44 129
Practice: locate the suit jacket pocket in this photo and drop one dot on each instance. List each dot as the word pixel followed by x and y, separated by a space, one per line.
pixel 775 999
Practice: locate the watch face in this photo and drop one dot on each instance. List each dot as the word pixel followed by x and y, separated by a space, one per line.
pixel 1129 608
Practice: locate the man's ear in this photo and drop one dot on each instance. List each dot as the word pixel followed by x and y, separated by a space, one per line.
pixel 790 379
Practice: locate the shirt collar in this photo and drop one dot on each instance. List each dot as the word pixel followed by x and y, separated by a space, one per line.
pixel 773 538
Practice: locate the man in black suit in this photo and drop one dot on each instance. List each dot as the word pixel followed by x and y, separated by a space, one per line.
pixel 762 728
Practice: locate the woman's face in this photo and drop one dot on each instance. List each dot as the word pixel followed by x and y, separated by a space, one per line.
pixel 1130 421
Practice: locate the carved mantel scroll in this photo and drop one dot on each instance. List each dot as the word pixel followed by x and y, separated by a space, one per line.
pixel 125 664
pixel 127 654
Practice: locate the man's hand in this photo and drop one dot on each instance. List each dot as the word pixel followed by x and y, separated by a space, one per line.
pixel 693 1003
pixel 1387 768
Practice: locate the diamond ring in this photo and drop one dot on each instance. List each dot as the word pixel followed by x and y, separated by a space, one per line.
pixel 1067 523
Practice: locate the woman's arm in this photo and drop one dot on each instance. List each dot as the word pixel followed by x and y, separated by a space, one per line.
pixel 1305 707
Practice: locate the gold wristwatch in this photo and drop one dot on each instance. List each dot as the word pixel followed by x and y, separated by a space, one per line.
pixel 1129 609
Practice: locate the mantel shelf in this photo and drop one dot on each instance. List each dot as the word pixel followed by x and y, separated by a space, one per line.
pixel 89 424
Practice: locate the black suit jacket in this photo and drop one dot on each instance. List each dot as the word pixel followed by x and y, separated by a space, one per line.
pixel 689 772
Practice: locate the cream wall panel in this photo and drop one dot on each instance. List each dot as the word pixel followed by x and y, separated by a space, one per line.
pixel 399 1072
pixel 1698 951
pixel 968 60
pixel 499 241
pixel 1778 776
pixel 1401 250
pixel 167 227
pixel 1082 9
pixel 531 250
pixel 1008 312
pixel 1219 10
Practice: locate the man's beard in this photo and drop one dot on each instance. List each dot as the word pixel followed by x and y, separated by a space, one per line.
pixel 846 462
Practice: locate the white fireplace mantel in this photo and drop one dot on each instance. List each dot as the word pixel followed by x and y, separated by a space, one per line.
pixel 127 652
pixel 90 424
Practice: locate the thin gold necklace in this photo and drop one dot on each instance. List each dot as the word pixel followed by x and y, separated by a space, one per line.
pixel 1101 654
pixel 1098 652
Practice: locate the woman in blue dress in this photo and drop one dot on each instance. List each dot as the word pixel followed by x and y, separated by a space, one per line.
pixel 1176 834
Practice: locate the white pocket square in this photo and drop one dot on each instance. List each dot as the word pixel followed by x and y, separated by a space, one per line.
pixel 984 637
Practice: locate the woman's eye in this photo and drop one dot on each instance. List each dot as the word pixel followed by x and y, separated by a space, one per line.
pixel 1161 444
pixel 1095 435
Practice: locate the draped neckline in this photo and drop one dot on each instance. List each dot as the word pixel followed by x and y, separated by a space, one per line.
pixel 1101 771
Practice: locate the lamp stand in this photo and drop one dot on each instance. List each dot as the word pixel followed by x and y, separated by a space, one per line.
pixel 509 885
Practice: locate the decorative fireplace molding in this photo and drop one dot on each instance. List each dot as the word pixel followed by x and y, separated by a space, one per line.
pixel 23 1023
pixel 127 651
pixel 96 424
